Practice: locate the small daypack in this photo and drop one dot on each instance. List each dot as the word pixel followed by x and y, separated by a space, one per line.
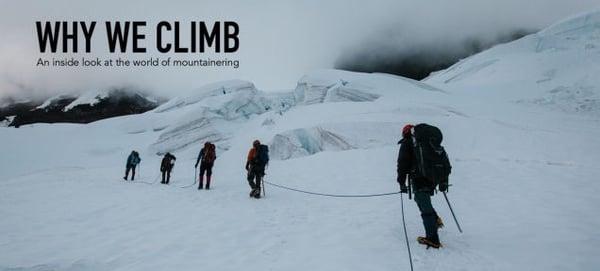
pixel 209 154
pixel 262 155
pixel 431 160
pixel 136 158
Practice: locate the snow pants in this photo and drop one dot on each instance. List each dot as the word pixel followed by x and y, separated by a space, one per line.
pixel 132 169
pixel 166 176
pixel 205 168
pixel 255 176
pixel 423 200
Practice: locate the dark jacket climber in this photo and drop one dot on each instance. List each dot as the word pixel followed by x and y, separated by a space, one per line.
pixel 166 165
pixel 258 157
pixel 423 189
pixel 206 159
pixel 132 161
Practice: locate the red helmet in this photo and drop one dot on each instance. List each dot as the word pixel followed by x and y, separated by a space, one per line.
pixel 406 129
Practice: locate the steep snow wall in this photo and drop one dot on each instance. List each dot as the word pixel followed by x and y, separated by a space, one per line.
pixel 551 69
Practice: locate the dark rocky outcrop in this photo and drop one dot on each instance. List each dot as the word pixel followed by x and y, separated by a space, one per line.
pixel 118 102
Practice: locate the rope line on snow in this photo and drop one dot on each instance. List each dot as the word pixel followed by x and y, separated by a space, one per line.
pixel 406 234
pixel 332 195
pixel 153 182
pixel 189 185
pixel 195 178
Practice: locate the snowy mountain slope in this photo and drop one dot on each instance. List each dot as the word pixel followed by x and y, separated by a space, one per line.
pixel 555 68
pixel 91 98
pixel 524 180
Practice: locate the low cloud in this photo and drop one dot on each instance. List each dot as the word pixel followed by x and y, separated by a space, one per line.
pixel 279 40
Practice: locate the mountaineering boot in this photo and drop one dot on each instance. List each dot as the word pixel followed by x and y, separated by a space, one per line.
pixel 200 186
pixel 424 241
pixel 257 193
pixel 439 223
pixel 125 178
pixel 252 187
pixel 208 182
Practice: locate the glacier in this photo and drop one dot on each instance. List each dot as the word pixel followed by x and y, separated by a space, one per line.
pixel 520 124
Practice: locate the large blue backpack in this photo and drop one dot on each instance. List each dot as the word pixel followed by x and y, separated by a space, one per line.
pixel 262 155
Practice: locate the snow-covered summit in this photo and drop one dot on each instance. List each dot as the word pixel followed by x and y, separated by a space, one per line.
pixel 90 98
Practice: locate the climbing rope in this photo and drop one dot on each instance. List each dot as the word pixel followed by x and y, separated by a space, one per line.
pixel 406 234
pixel 331 195
pixel 189 185
pixel 153 182
pixel 195 175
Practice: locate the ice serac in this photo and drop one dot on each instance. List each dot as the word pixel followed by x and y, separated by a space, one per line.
pixel 212 105
pixel 312 90
pixel 551 69
pixel 332 137
pixel 210 90
pixel 302 142
pixel 215 113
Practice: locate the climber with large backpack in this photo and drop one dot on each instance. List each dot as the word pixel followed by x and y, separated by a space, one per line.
pixel 206 159
pixel 425 161
pixel 258 158
pixel 132 161
pixel 166 166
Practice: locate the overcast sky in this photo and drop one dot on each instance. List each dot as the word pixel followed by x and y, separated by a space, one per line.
pixel 279 40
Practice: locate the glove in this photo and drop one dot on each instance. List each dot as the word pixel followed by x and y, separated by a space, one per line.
pixel 196 165
pixel 247 166
pixel 403 189
pixel 443 187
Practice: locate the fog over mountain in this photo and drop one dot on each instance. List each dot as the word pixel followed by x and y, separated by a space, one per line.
pixel 419 59
pixel 279 40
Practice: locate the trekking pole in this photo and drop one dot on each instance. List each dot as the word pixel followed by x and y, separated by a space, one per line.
pixel 262 183
pixel 452 211
pixel 409 188
pixel 405 234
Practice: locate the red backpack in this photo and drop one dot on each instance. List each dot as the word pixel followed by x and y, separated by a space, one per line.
pixel 209 154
